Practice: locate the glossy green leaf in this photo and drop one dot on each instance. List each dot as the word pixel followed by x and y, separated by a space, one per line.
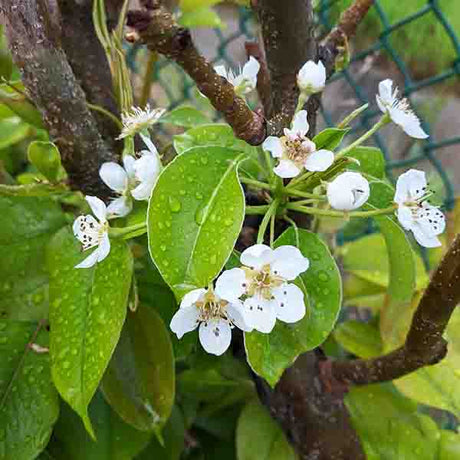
pixel 330 138
pixel 29 403
pixel 116 440
pixel 195 215
pixel 46 158
pixel 438 385
pixel 389 426
pixel 139 381
pixel 173 440
pixel 12 130
pixel 449 445
pixel 202 17
pixel 87 311
pixel 31 190
pixel 185 116
pixel 28 223
pixel 371 161
pixel 359 338
pixel 270 354
pixel 190 5
pixel 402 269
pixel 259 437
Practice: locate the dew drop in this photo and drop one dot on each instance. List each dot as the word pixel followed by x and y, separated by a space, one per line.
pixel 174 204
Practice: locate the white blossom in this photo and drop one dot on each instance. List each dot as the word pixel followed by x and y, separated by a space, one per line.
pixel 348 191
pixel 214 313
pixel 262 284
pixel 295 151
pixel 414 212
pixel 311 77
pixel 135 179
pixel 136 120
pixel 399 110
pixel 246 80
pixel 93 233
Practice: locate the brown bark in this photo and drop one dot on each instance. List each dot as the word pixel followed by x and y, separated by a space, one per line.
pixel 52 86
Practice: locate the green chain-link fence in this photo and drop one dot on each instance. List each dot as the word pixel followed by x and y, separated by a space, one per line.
pixel 416 39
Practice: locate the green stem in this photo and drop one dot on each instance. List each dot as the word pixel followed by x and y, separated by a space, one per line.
pixel 255 183
pixel 147 80
pixel 268 160
pixel 264 224
pixel 272 230
pixel 382 122
pixel 299 179
pixel 301 194
pixel 303 98
pixel 308 201
pixel 252 210
pixel 296 229
pixel 128 232
pixel 349 118
pixel 331 213
pixel 98 108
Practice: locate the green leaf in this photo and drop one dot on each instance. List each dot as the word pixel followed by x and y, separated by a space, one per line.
pixel 12 130
pixel 371 161
pixel 46 158
pixel 359 338
pixel 259 437
pixel 330 138
pixel 139 381
pixel 29 404
pixel 438 385
pixel 28 223
pixel 185 116
pixel 270 354
pixel 20 105
pixel 449 445
pixel 195 215
pixel 389 426
pixel 87 311
pixel 191 5
pixel 32 190
pixel 116 440
pixel 173 435
pixel 202 17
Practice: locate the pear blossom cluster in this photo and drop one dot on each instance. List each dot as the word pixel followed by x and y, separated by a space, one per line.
pixel 251 297
pixel 134 180
pixel 245 80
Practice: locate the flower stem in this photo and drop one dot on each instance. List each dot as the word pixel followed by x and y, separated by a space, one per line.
pixel 264 224
pixel 299 179
pixel 98 108
pixel 255 183
pixel 296 229
pixel 272 230
pixel 382 122
pixel 128 232
pixel 349 118
pixel 301 194
pixel 331 213
pixel 253 210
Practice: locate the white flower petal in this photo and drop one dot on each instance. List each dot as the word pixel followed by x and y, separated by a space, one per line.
pixel 251 69
pixel 128 164
pixel 221 70
pixel 192 297
pixel 256 256
pixel 319 160
pixel 84 223
pixel 184 320
pixel 149 144
pixel 428 241
pixel 290 305
pixel 300 124
pixel 231 285
pixel 90 260
pixel 215 336
pixel 273 145
pixel 348 191
pixel 432 219
pixel 114 176
pixel 98 207
pixel 142 191
pixel 260 314
pixel 104 248
pixel 312 77
pixel 236 314
pixel 405 217
pixel 147 168
pixel 288 262
pixel 120 207
pixel 386 91
pixel 412 128
pixel 286 169
pixel 410 186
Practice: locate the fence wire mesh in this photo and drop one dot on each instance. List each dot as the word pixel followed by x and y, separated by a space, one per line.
pixel 415 42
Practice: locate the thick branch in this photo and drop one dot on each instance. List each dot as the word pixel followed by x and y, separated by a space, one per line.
pixel 288 33
pixel 88 60
pixel 52 86
pixel 157 28
pixel 424 343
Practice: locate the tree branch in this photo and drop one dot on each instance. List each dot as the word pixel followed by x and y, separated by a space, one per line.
pixel 288 34
pixel 156 27
pixel 424 343
pixel 91 69
pixel 51 84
